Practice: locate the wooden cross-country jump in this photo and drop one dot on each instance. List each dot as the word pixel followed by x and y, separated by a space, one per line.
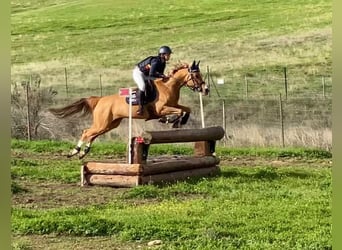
pixel 144 171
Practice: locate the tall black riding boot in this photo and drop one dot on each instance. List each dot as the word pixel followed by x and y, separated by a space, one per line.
pixel 141 102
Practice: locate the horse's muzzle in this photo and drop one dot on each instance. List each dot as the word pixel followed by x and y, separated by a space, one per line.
pixel 205 89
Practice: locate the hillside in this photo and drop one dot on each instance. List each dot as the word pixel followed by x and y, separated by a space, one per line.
pixel 232 37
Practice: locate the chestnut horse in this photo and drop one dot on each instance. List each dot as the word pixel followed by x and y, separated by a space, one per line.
pixel 108 111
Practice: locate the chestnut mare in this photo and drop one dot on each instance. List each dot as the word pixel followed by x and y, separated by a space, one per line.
pixel 108 111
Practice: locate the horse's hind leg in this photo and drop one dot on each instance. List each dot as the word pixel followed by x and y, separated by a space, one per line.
pixel 92 133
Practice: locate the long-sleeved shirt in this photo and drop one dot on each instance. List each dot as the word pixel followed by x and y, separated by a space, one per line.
pixel 152 66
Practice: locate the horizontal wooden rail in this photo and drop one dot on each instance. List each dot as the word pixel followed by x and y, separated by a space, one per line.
pixel 183 135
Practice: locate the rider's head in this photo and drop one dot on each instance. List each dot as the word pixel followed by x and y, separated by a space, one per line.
pixel 165 52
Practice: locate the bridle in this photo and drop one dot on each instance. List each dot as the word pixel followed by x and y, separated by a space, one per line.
pixel 190 77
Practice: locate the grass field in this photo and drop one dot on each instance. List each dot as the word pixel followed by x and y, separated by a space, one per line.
pixel 109 37
pixel 262 199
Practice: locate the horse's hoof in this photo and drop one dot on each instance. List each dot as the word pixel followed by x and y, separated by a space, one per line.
pixel 73 152
pixel 163 119
pixel 176 124
pixel 82 154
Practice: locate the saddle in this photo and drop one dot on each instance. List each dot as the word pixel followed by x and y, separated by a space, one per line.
pixel 150 94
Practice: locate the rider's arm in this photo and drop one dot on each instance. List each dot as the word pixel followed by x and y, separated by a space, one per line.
pixel 154 69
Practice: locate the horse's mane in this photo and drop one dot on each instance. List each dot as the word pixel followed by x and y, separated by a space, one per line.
pixel 178 66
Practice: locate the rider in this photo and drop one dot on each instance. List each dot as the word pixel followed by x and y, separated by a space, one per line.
pixel 150 68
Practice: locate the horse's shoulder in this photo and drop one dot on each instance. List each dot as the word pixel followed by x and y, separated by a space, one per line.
pixel 159 81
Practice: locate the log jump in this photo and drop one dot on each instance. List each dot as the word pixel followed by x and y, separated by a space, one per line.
pixel 154 171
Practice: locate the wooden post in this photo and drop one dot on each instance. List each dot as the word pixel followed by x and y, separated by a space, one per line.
pixel 208 81
pixel 224 122
pixel 323 86
pixel 246 84
pixel 202 148
pixel 285 82
pixel 281 120
pixel 139 151
pixel 28 84
pixel 66 81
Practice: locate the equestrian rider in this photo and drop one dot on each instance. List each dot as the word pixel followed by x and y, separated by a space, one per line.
pixel 149 69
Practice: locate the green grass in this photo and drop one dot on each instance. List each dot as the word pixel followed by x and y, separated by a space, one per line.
pixel 118 149
pixel 255 208
pixel 115 34
pixel 260 207
pixel 48 170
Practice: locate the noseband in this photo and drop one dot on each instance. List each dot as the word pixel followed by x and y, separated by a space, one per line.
pixel 197 86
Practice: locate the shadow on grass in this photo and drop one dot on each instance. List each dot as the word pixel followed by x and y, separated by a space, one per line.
pixel 268 174
pixel 265 173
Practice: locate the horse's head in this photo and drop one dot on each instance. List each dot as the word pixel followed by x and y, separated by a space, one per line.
pixel 194 79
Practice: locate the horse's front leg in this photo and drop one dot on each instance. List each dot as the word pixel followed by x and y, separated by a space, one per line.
pixel 181 114
pixel 186 114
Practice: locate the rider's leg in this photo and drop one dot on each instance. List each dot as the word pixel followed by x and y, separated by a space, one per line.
pixel 139 79
pixel 141 102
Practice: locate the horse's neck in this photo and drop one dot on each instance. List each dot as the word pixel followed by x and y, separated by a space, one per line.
pixel 169 89
pixel 176 81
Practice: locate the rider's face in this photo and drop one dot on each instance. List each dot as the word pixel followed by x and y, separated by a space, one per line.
pixel 167 57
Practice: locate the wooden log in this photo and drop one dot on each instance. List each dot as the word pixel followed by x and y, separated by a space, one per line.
pixel 108 168
pixel 111 180
pixel 139 151
pixel 183 135
pixel 178 175
pixel 173 165
pixel 203 148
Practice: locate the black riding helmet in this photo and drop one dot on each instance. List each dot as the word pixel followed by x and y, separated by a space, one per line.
pixel 165 50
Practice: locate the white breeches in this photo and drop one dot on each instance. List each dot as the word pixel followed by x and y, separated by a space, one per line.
pixel 139 78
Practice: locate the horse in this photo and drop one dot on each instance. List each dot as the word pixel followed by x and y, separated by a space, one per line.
pixel 108 111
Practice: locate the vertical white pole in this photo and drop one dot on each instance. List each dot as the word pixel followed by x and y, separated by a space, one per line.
pixel 202 113
pixel 130 128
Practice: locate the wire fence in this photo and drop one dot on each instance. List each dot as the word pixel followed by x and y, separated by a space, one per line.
pixel 255 110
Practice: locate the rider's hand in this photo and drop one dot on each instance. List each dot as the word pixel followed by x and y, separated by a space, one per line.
pixel 165 78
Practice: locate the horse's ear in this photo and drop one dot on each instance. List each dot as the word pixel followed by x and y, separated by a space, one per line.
pixel 198 63
pixel 193 64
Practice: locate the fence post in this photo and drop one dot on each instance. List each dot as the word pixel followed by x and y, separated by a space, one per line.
pixel 281 114
pixel 285 82
pixel 28 109
pixel 208 82
pixel 224 122
pixel 66 81
pixel 323 86
pixel 246 84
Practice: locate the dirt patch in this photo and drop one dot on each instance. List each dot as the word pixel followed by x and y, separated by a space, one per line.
pixel 53 242
pixel 55 195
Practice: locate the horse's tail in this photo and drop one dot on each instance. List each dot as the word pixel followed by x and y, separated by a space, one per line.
pixel 84 105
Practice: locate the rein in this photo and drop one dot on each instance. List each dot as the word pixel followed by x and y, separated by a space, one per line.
pixel 189 77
